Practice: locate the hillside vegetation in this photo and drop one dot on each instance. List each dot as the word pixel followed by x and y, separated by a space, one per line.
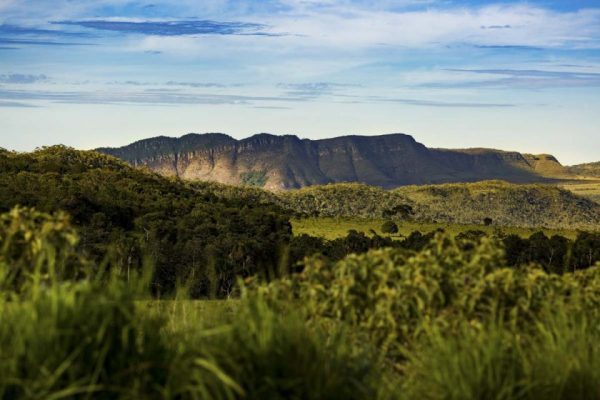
pixel 588 170
pixel 134 215
pixel 588 188
pixel 526 205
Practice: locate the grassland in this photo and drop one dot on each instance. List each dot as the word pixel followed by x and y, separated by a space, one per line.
pixel 589 188
pixel 333 228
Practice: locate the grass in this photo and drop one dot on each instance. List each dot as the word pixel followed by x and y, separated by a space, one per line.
pixel 332 228
pixel 508 334
pixel 560 360
pixel 185 314
pixel 585 188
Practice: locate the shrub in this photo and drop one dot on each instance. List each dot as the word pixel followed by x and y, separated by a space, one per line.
pixel 35 245
pixel 389 227
pixel 390 295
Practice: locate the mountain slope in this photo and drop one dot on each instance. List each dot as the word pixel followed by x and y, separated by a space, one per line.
pixel 285 162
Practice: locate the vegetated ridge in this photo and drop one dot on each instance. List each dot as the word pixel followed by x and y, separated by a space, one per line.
pixel 506 204
pixel 286 162
pixel 587 170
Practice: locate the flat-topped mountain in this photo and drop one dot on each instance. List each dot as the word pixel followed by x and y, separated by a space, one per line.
pixel 285 162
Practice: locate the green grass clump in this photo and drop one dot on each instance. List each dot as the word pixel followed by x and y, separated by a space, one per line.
pixel 559 359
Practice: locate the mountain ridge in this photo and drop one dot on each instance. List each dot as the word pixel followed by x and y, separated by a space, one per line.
pixel 278 162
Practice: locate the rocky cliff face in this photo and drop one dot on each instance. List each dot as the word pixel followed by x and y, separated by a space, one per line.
pixel 284 162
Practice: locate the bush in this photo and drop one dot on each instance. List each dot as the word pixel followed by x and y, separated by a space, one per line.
pixel 388 295
pixel 37 246
pixel 389 227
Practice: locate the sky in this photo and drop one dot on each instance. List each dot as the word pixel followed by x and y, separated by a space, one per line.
pixel 522 75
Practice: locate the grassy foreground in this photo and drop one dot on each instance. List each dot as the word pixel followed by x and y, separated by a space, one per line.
pixel 448 322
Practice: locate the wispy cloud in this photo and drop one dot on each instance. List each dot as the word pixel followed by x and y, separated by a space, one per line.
pixel 17 35
pixel 534 73
pixel 523 78
pixel 15 104
pixel 495 26
pixel 446 104
pixel 199 84
pixel 314 89
pixel 159 97
pixel 40 42
pixel 176 84
pixel 175 97
pixel 171 28
pixel 509 47
pixel 22 78
pixel 18 30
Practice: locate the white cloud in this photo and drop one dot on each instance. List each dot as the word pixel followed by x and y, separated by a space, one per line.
pixel 359 28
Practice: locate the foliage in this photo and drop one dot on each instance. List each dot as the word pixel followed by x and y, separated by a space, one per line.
pixel 254 178
pixel 449 321
pixel 531 205
pixel 37 245
pixel 390 295
pixel 346 200
pixel 277 356
pixel 131 214
pixel 555 254
pixel 89 338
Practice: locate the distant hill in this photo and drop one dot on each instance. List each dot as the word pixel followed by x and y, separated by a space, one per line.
pixel 287 162
pixel 588 170
pixel 525 205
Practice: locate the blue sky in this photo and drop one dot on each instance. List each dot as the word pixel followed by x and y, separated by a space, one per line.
pixel 512 75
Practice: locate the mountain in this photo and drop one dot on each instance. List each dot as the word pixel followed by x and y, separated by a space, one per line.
pixel 286 162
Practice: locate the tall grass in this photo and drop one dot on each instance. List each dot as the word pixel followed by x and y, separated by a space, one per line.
pixel 559 359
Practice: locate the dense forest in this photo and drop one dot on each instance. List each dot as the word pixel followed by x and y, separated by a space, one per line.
pixel 136 216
